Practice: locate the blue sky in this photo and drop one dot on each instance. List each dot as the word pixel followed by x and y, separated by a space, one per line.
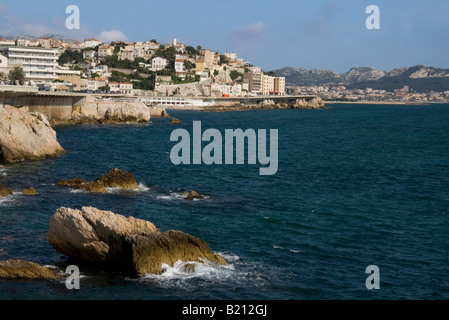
pixel 271 34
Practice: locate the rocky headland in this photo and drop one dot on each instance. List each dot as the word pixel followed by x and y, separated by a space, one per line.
pixel 125 244
pixel 26 135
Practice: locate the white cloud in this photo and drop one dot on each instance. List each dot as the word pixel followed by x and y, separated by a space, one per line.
pixel 112 35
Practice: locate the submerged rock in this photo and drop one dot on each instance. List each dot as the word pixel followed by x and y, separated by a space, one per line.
pixel 191 195
pixel 127 244
pixel 4 191
pixel 19 269
pixel 26 135
pixel 115 178
pixel 176 121
pixel 29 192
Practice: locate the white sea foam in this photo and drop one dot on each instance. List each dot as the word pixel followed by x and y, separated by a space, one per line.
pixel 78 191
pixel 143 187
pixel 182 270
pixel 5 201
pixel 171 196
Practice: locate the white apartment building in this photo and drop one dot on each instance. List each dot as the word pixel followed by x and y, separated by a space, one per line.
pixel 3 64
pixel 179 65
pixel 91 43
pixel 226 90
pixel 39 65
pixel 158 64
pixel 122 87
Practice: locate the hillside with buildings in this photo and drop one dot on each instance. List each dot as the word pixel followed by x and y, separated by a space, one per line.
pixel 140 68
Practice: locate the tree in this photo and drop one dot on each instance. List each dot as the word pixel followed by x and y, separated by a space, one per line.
pixel 17 75
pixel 188 65
pixel 223 59
pixel 234 74
pixel 70 56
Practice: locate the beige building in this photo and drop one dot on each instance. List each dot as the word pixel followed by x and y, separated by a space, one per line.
pixel 209 57
pixel 267 85
pixel 279 85
pixel 105 51
pixel 252 81
pixel 71 76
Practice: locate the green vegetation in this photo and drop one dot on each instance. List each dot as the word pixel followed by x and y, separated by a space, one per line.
pixel 17 75
pixel 189 65
pixel 138 81
pixel 234 74
pixel 114 62
pixel 223 60
pixel 70 56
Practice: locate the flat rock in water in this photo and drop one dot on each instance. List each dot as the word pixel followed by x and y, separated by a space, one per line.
pixel 19 269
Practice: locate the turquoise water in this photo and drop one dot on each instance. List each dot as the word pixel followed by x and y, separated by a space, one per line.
pixel 357 185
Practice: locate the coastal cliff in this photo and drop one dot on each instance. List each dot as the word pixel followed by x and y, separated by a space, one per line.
pixel 26 135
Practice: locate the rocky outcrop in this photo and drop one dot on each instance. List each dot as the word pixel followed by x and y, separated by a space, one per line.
pixel 110 112
pixel 176 121
pixel 29 191
pixel 4 191
pixel 315 103
pixel 128 244
pixel 26 135
pixel 19 269
pixel 115 178
pixel 192 195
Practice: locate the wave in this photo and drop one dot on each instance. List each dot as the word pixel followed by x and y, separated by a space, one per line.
pixel 5 201
pixel 188 275
pixel 282 248
pixel 184 274
pixel 143 187
pixel 178 196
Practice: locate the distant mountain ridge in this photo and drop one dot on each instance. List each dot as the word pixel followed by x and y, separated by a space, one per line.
pixel 55 36
pixel 419 78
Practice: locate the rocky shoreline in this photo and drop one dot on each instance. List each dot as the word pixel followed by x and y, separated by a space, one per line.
pixel 102 238
pixel 315 103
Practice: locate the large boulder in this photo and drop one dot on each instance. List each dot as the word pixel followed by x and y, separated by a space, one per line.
pixel 115 178
pixel 19 269
pixel 128 244
pixel 26 135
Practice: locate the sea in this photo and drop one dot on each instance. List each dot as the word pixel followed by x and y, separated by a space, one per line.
pixel 358 208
